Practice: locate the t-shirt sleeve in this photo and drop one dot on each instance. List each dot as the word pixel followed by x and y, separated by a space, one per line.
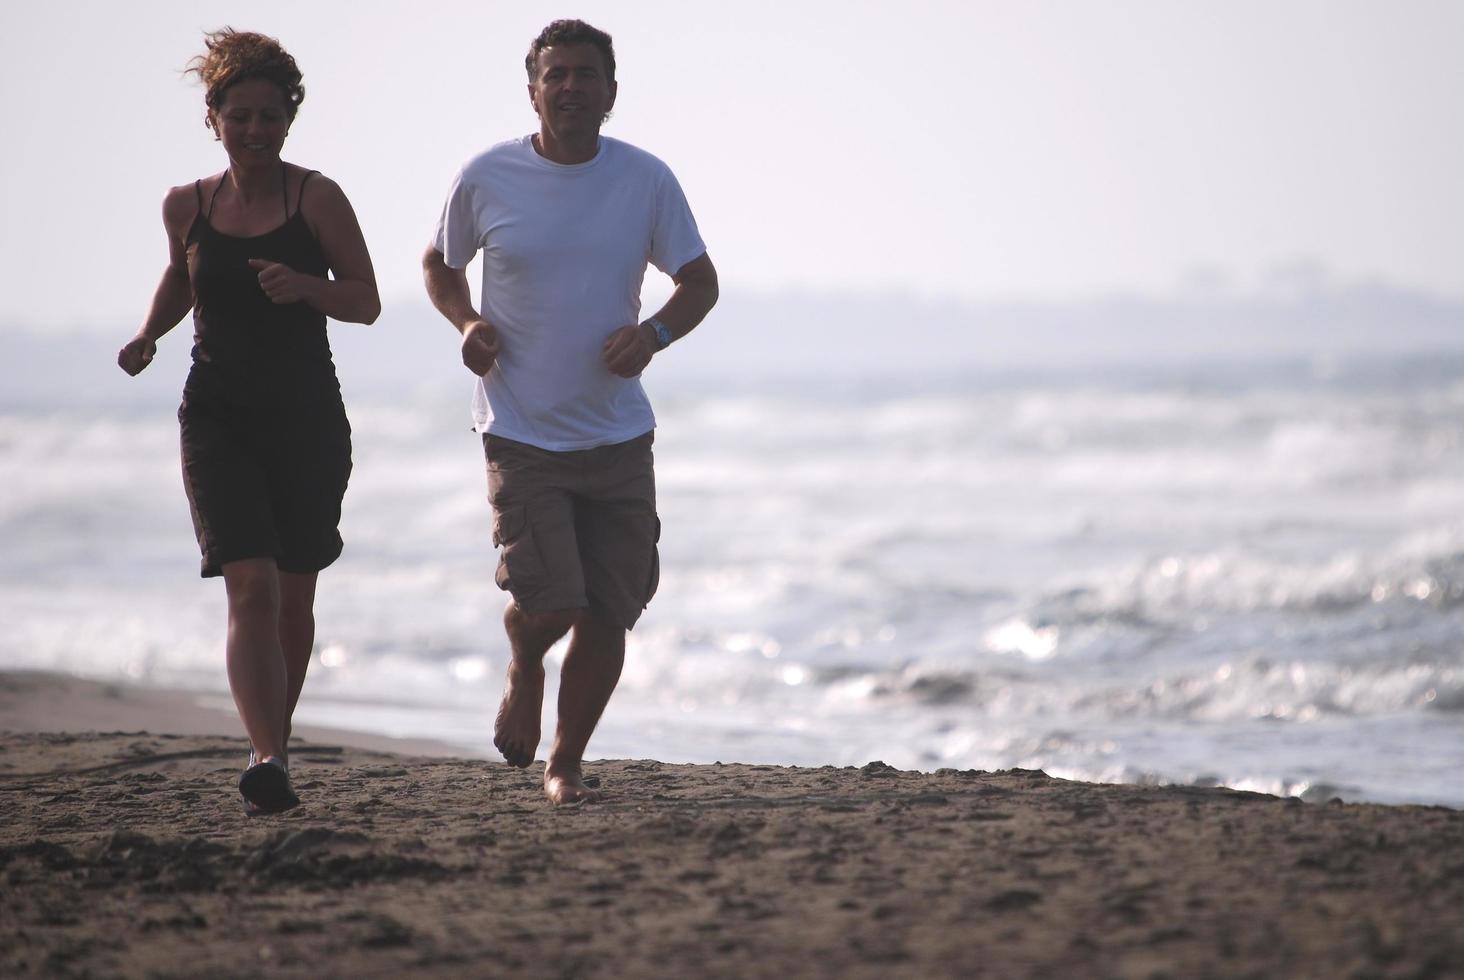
pixel 675 240
pixel 457 236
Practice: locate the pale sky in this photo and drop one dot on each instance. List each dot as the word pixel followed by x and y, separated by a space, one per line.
pixel 1046 150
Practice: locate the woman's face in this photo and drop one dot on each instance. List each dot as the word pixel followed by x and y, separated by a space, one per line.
pixel 253 121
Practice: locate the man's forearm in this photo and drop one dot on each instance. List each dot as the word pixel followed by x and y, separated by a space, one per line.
pixel 689 304
pixel 447 288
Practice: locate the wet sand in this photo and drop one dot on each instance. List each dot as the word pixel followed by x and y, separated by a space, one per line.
pixel 127 853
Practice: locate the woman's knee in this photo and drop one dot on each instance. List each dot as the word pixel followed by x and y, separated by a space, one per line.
pixel 297 608
pixel 296 619
pixel 253 588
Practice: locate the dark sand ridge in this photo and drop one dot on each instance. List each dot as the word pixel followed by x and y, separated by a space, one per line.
pixel 128 854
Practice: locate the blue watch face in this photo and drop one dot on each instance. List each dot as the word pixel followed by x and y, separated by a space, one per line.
pixel 663 333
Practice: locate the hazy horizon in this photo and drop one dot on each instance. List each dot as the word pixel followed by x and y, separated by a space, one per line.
pixel 973 153
pixel 770 338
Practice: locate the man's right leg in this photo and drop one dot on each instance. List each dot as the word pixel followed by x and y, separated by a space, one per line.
pixel 539 565
pixel 530 635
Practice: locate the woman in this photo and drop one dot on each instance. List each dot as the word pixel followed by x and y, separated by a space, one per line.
pixel 261 253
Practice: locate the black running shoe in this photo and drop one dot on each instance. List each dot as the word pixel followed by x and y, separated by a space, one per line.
pixel 265 786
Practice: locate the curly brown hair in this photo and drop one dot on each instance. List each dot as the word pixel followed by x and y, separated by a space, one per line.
pixel 571 32
pixel 235 56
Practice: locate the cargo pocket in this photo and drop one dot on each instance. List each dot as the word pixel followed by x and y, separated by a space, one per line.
pixel 654 580
pixel 520 569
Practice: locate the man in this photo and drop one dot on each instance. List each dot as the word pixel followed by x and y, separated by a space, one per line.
pixel 567 221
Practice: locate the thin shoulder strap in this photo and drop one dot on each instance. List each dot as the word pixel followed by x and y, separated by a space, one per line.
pixel 301 196
pixel 198 193
pixel 215 196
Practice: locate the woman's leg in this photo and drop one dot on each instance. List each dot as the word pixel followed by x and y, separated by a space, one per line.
pixel 297 635
pixel 256 661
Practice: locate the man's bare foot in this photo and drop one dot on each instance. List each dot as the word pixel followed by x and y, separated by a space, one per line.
pixel 567 785
pixel 516 730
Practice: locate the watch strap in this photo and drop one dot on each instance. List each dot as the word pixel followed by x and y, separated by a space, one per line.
pixel 662 332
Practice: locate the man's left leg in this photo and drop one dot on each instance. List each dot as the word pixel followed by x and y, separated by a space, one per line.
pixel 616 531
pixel 591 670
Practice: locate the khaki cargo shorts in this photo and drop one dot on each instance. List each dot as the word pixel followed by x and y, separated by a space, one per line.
pixel 576 530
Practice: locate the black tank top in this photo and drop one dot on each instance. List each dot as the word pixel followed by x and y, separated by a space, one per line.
pixel 243 343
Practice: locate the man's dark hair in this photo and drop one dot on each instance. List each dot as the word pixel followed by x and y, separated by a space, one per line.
pixel 563 32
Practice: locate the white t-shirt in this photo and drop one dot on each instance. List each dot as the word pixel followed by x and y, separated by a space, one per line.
pixel 565 249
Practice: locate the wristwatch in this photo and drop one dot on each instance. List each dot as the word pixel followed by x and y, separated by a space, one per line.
pixel 662 332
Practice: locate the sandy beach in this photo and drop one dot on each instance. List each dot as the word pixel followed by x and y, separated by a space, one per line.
pixel 124 851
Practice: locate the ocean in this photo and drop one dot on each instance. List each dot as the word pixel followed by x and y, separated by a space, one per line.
pixel 1241 574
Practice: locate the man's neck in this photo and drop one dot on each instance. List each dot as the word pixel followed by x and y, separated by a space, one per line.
pixel 564 152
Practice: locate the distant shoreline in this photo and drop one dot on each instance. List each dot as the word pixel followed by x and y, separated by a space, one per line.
pixel 45 701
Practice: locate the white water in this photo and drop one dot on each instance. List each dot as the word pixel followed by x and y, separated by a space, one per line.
pixel 1248 577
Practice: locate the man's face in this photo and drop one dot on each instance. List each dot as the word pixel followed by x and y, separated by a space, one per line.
pixel 571 92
